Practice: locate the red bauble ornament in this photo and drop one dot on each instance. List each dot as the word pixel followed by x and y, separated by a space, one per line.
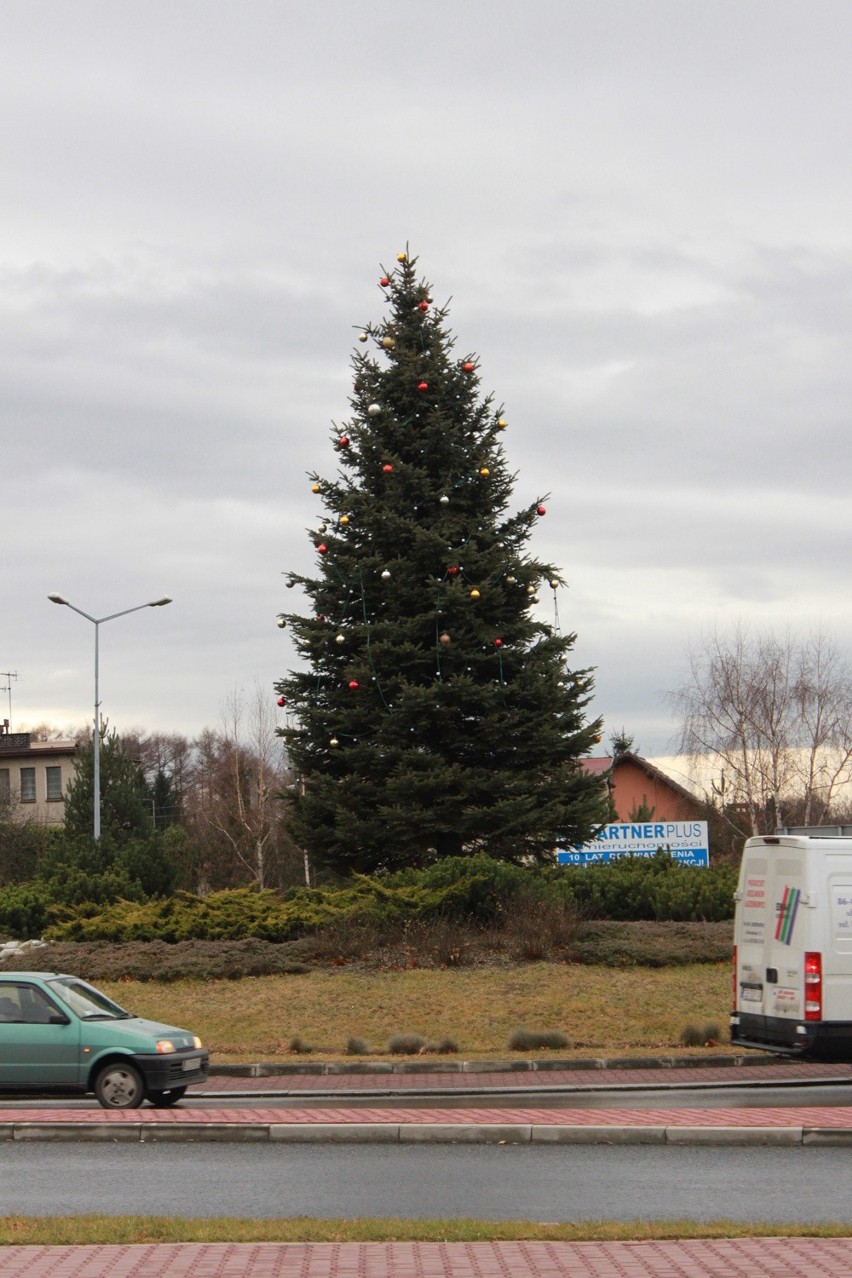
pixel 387 468
pixel 423 306
pixel 322 548
pixel 452 571
pixel 541 510
pixel 384 281
pixel 343 441
pixel 281 701
pixel 498 643
pixel 468 367
pixel 444 639
pixel 353 685
pixel 422 386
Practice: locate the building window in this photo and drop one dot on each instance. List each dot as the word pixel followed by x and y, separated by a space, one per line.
pixel 28 790
pixel 54 784
pixel 5 786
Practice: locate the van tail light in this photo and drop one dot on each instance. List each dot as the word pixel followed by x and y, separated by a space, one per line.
pixel 734 982
pixel 813 986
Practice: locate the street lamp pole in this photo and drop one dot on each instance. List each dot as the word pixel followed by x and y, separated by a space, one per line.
pixel 97 622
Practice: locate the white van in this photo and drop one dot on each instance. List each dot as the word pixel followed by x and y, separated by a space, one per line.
pixel 793 944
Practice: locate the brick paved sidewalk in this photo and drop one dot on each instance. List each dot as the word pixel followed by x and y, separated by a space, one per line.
pixel 604 1075
pixel 718 1258
pixel 528 1125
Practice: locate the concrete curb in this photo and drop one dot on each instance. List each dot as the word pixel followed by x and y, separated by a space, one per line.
pixel 423 1133
pixel 281 1069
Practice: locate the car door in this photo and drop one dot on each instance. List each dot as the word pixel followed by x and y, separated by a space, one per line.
pixel 39 1040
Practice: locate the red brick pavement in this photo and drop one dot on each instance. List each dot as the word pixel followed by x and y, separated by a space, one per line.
pixel 806 1116
pixel 718 1258
pixel 518 1080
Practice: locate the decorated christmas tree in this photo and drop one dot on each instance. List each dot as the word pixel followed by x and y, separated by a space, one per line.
pixel 435 714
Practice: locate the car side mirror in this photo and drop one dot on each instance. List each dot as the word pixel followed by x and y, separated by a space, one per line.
pixel 58 1018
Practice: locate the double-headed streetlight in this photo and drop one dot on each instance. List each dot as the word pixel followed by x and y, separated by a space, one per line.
pixel 97 622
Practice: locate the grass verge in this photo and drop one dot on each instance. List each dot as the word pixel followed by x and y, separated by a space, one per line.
pixel 124 1230
pixel 601 1010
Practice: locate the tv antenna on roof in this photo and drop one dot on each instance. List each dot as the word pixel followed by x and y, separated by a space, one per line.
pixel 8 675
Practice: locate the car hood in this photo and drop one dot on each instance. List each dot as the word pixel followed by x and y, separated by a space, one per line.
pixel 138 1033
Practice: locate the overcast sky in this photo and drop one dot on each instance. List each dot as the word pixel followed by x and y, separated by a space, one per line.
pixel 642 212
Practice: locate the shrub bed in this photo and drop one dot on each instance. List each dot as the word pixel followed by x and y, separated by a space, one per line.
pixel 475 890
pixel 602 943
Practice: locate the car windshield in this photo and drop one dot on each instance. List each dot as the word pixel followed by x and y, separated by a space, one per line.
pixel 87 1002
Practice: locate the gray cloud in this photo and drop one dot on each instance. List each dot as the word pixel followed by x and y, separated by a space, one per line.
pixel 642 215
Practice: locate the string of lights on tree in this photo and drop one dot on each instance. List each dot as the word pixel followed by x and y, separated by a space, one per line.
pixel 433 711
pixel 450 574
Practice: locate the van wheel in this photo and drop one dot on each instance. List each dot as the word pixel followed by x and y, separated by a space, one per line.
pixel 163 1100
pixel 119 1086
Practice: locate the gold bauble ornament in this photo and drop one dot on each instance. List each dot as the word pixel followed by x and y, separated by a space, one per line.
pixel 344 519
pixel 389 343
pixel 402 257
pixel 315 488
pixel 474 594
pixel 484 472
pixel 444 639
pixel 502 424
pixel 362 337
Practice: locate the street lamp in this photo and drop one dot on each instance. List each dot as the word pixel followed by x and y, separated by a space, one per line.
pixel 97 622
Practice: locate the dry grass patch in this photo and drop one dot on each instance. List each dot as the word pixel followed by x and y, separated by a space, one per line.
pixel 127 1230
pixel 602 1010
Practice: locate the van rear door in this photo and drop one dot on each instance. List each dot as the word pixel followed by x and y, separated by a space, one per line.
pixel 755 919
pixel 784 995
pixel 773 925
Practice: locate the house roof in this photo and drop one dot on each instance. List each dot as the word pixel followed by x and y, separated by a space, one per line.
pixel 601 765
pixel 596 766
pixel 11 747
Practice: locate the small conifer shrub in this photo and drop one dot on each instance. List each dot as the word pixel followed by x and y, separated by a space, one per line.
pixel 524 1040
pixel 406 1044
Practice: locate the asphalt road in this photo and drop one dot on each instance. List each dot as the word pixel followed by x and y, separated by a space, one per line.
pixel 566 1183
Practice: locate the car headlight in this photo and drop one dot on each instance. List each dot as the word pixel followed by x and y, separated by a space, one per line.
pixel 196 1041
pixel 164 1046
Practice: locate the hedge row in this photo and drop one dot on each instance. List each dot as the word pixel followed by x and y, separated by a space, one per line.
pixel 476 889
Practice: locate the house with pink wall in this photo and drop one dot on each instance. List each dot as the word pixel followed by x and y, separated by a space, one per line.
pixel 636 784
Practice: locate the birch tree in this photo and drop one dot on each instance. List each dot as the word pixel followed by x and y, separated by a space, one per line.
pixel 772 716
pixel 241 771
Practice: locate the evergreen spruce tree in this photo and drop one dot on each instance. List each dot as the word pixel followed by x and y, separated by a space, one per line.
pixel 436 716
pixel 125 805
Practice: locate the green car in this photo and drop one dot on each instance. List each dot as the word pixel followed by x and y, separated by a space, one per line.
pixel 58 1033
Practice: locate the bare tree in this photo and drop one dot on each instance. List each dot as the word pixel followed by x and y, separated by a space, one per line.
pixel 241 773
pixel 824 698
pixel 775 716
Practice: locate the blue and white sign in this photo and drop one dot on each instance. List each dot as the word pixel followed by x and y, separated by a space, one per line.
pixel 687 841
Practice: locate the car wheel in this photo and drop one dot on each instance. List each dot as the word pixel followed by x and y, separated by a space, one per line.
pixel 163 1100
pixel 119 1085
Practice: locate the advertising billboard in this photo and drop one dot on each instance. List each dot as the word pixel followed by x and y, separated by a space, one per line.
pixel 687 841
